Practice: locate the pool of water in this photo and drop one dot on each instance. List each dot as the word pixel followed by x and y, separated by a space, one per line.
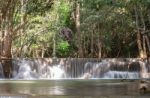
pixel 73 88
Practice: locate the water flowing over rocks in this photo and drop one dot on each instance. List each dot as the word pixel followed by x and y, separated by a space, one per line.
pixel 79 68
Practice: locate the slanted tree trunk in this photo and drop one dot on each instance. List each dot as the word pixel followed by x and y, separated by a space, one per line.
pixel 142 41
pixel 148 43
pixel 142 35
pixel 140 44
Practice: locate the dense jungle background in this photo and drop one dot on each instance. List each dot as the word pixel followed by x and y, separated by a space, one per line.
pixel 74 28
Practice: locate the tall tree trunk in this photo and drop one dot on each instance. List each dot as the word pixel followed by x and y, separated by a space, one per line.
pixel 92 43
pixel 22 30
pixel 144 47
pixel 99 43
pixel 42 52
pixel 84 45
pixel 143 32
pixel 139 37
pixel 54 46
pixel 148 43
pixel 79 35
pixel 6 53
pixel 7 12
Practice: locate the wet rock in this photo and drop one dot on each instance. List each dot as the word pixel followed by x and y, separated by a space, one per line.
pixel 144 86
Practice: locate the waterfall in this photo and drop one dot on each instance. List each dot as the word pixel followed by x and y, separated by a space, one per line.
pixel 95 70
pixel 75 68
pixel 106 70
pixel 144 73
pixel 121 75
pixel 25 72
pixel 36 69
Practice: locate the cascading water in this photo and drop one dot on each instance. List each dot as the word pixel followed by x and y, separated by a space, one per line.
pixel 145 68
pixel 121 75
pixel 104 70
pixel 75 69
pixel 26 69
pixel 95 70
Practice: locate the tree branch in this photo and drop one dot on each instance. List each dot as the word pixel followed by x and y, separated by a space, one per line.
pixel 18 28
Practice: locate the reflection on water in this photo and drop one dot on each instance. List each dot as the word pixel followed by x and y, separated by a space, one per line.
pixel 70 89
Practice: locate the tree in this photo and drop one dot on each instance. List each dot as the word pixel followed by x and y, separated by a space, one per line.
pixel 142 30
pixel 10 24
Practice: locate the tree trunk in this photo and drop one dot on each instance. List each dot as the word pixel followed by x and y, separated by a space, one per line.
pixel 148 43
pixel 84 45
pixel 54 46
pixel 92 44
pixel 79 35
pixel 22 30
pixel 6 53
pixel 144 47
pixel 139 42
pixel 7 12
pixel 99 43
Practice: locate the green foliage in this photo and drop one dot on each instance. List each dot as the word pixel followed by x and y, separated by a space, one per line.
pixel 114 17
pixel 63 49
pixel 64 11
pixel 38 6
pixel 107 41
pixel 45 19
pixel 111 22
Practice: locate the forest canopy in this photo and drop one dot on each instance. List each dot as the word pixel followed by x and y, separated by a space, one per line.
pixel 74 28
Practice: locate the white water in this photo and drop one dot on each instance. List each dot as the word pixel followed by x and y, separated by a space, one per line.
pixel 102 70
pixel 90 70
pixel 144 70
pixel 27 70
pixel 121 75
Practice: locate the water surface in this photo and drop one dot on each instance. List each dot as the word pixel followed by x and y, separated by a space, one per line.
pixel 73 88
